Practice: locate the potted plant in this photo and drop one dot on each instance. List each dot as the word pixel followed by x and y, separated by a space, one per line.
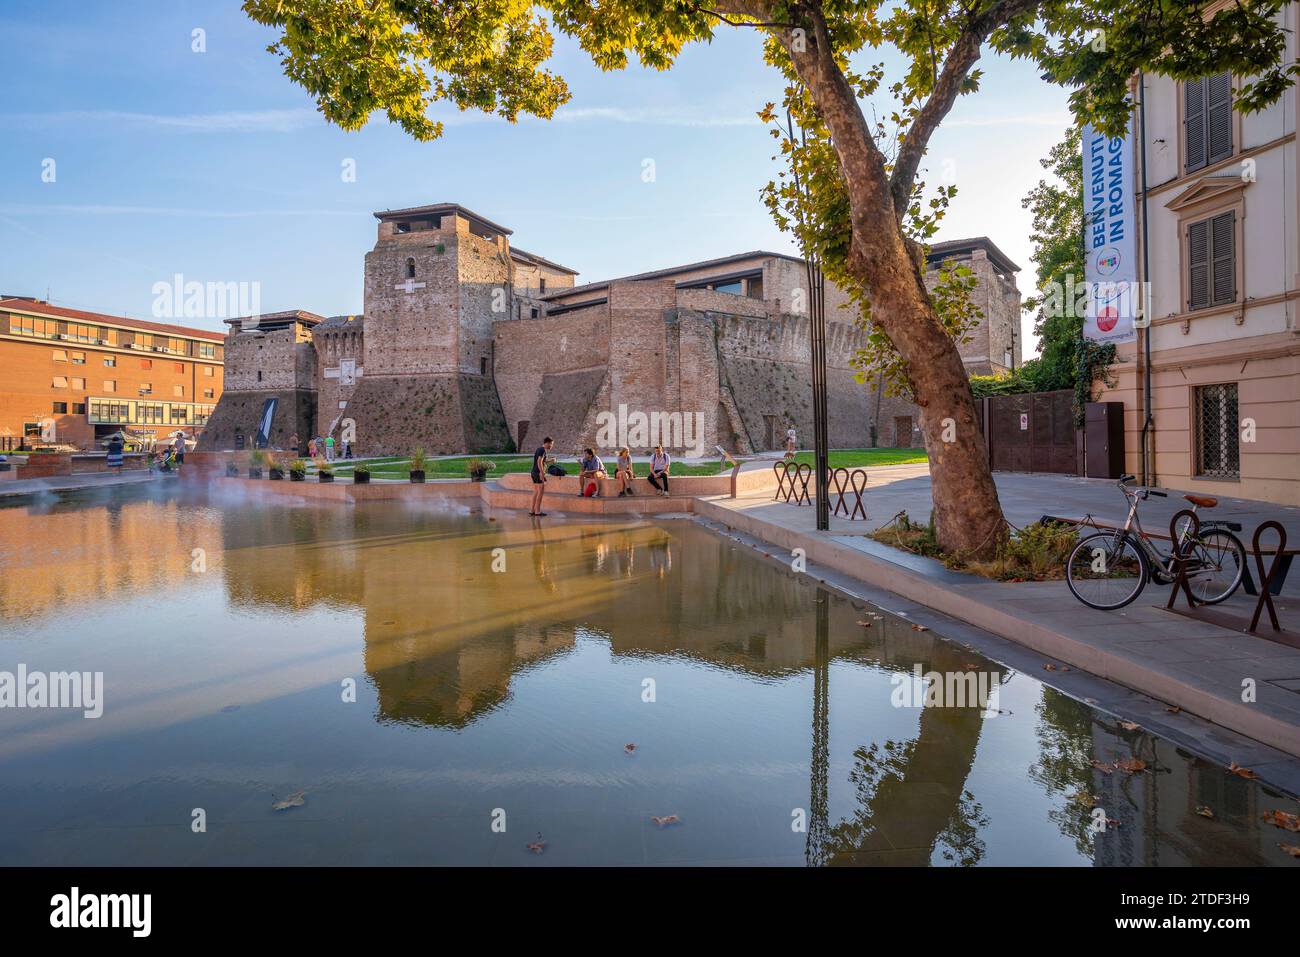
pixel 361 475
pixel 256 459
pixel 297 470
pixel 478 469
pixel 324 471
pixel 418 463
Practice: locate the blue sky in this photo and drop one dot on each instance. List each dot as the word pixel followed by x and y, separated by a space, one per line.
pixel 213 165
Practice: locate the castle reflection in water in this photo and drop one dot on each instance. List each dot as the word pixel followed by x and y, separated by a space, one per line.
pixel 445 636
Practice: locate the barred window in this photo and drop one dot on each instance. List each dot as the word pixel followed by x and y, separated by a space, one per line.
pixel 1215 409
pixel 1212 262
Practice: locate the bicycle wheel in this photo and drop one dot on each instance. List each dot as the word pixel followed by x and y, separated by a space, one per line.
pixel 1219 562
pixel 1106 570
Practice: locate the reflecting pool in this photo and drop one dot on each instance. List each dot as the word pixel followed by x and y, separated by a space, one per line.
pixel 449 687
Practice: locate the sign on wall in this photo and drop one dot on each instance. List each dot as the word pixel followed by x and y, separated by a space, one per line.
pixel 1110 238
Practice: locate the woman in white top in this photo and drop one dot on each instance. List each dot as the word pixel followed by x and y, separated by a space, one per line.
pixel 623 471
pixel 659 465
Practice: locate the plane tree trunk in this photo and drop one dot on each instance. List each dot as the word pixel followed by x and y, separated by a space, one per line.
pixel 891 267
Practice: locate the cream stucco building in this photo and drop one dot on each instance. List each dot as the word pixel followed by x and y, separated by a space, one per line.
pixel 1223 202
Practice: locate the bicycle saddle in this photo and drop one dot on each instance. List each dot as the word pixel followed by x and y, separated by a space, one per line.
pixel 1202 501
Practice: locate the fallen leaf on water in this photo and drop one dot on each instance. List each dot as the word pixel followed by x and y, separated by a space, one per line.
pixel 1204 811
pixel 1049 667
pixel 971 667
pixel 629 748
pixel 297 799
pixel 1084 798
pixel 1291 849
pixel 1288 822
pixel 1102 766
pixel 665 821
pixel 865 624
pixel 538 845
pixel 1111 822
pixel 1131 765
pixel 1089 700
pixel 1129 726
pixel 1237 769
pixel 920 628
pixel 1173 709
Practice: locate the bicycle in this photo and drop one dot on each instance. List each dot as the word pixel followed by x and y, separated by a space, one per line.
pixel 1109 568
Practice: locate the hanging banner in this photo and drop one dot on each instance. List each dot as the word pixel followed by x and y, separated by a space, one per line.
pixel 1110 238
pixel 263 439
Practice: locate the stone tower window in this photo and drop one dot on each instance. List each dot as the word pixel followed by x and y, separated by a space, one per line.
pixel 410 268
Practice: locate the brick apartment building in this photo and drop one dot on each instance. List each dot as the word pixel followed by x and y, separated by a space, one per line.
pixel 82 376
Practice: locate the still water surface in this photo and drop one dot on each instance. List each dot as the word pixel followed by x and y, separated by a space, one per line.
pixel 371 658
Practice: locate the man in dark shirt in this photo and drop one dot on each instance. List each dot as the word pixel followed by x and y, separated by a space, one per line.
pixel 539 476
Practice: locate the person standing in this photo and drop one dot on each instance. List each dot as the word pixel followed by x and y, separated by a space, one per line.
pixel 115 446
pixel 311 448
pixel 178 447
pixel 791 442
pixel 623 471
pixel 660 463
pixel 329 448
pixel 295 444
pixel 539 476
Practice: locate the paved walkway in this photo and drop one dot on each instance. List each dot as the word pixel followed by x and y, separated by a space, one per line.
pixel 17 488
pixel 1195 665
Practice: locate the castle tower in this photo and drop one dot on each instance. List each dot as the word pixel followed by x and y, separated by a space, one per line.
pixel 434 281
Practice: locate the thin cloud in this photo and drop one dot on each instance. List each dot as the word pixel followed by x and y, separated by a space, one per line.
pixel 90 209
pixel 656 117
pixel 292 121
pixel 1058 120
pixel 227 121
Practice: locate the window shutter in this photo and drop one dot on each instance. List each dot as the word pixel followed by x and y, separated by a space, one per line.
pixel 1198 254
pixel 1222 242
pixel 1218 120
pixel 1194 123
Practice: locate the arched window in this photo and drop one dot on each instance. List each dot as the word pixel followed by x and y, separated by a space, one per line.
pixel 410 268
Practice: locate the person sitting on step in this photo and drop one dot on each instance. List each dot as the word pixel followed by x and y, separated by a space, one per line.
pixel 592 470
pixel 660 463
pixel 623 471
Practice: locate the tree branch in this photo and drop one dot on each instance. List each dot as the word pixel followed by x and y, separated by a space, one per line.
pixel 860 160
pixel 963 55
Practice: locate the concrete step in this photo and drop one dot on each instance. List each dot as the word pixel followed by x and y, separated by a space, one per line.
pixel 497 495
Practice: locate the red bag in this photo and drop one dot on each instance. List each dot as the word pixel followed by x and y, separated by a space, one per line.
pixel 590 490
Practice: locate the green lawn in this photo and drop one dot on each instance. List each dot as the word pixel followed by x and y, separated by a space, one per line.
pixel 399 467
pixel 455 468
pixel 862 458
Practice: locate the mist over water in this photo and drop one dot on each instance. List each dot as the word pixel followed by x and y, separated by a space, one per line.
pixel 229 631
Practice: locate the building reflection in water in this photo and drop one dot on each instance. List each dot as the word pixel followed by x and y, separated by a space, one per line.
pixel 445 637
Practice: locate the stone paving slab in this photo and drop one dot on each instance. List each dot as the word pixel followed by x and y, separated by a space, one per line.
pixel 1196 666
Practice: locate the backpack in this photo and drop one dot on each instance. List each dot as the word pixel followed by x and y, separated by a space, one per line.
pixel 556 469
